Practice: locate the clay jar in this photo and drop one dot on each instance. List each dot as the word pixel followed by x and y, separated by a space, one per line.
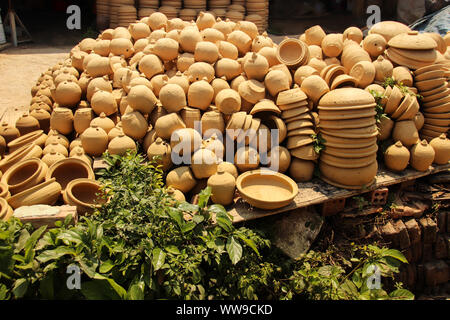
pixel 212 123
pixel 200 95
pixel 67 94
pixel 82 119
pixel 375 45
pixel 103 101
pixel 364 72
pixel 176 194
pixel 199 71
pixel 142 99
pixel 206 51
pixel 384 69
pixel 228 101
pixel 246 159
pixel 98 67
pixel 261 41
pixel 167 124
pixel 256 67
pixel 314 35
pixel 304 72
pixel 315 87
pixel 441 146
pixel 122 47
pixel 184 61
pixel 280 159
pixel 353 33
pixel 85 194
pixel 385 127
pixel 161 149
pixel 182 179
pixel 62 120
pixel 227 68
pixel 139 30
pixel 301 170
pixel 406 132
pixel 333 44
pixel 94 141
pixel 69 169
pixel 103 122
pixel 43 117
pixel 403 75
pixel 227 50
pixel 186 139
pixel 26 124
pixel 157 20
pixel 24 175
pixel 172 97
pixel 223 186
pixel 121 144
pixel 134 125
pixel 276 81
pixel 204 163
pixel 189 37
pixel 150 65
pixel 56 147
pixel 422 156
pixel 9 132
pixel 215 145
pixel 241 40
pixel 396 157
pixel 166 49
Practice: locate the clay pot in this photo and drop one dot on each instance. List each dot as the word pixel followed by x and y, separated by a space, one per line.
pixel 315 88
pixel 43 117
pixel 364 72
pixel 186 139
pixel 212 35
pixel 389 29
pixel 85 194
pixel 384 69
pixel 314 35
pixel 157 20
pixel 333 44
pixel 46 192
pixel 55 147
pixel 270 53
pixel 276 81
pixel 262 41
pixel 26 124
pixel 162 150
pixel 206 51
pixel 441 146
pixel 405 132
pixel 227 68
pixel 82 119
pixel 172 97
pixel 293 53
pixel 403 75
pixel 227 50
pixel 199 71
pixel 55 136
pixel 99 66
pixel 304 72
pixel 2 146
pixel 62 120
pixel 52 157
pixel 23 153
pixel 422 156
pixel 142 99
pixel 246 159
pixel 375 45
pixel 223 186
pixel 189 37
pixel 134 125
pixel 103 102
pixel 279 159
pixel 256 67
pixel 121 144
pixel 215 145
pixel 396 157
pixel 385 127
pixel 354 178
pixel 241 40
pixel 176 194
pixel 352 54
pixel 204 163
pixel 353 33
pixel 69 169
pixel 200 94
pixel 67 94
pixel 228 101
pixel 191 117
pixel 218 85
pixel 212 123
pixel 94 141
pixel 139 30
pixel 315 52
pixel 97 83
pixel 122 47
pixel 228 167
pixel 184 61
pixel 181 80
pixel 24 175
pixel 8 132
pixel 4 192
pixel 6 211
pixel 166 49
pixel 103 122
pixel 151 65
pixel 181 179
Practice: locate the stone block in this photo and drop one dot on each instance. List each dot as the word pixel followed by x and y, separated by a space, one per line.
pixel 429 230
pixel 403 237
pixel 436 273
pixel 414 231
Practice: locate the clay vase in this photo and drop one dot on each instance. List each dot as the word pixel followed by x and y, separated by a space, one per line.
pixel 206 51
pixel 228 101
pixel 228 68
pixel 246 159
pixel 79 154
pixel 241 40
pixel 396 157
pixel 200 95
pixel 406 132
pixel 121 144
pixel 422 156
pixel 82 119
pixel 212 123
pixel 172 97
pixel 67 94
pixel 204 163
pixel 223 187
pixel 185 141
pixel 55 147
pixel 385 127
pixel 26 124
pixel 24 175
pixel 166 49
pixel 8 132
pixel 353 33
pixel 280 159
pixel 62 120
pixel 441 146
pixel 315 88
pixel 375 45
pixel 69 169
pixel 333 44
pixel 103 101
pixel 227 50
pixel 142 99
pixel 103 122
pixel 256 67
pixel 301 170
pixel 314 35
pixel 139 30
pixel 134 125
pixel 162 150
pixel 85 194
pixel 384 69
pixel 181 179
pixel 276 81
pixel 46 192
pixel 94 141
pixel 189 37
pixel 43 117
pixel 150 65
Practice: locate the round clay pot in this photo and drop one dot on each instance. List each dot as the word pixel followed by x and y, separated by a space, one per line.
pixel 304 72
pixel 103 122
pixel 94 141
pixel 276 81
pixel 67 94
pixel 262 41
pixel 403 75
pixel 176 194
pixel 97 83
pixel 82 119
pixel 8 132
pixel 241 40
pixel 167 124
pixel 252 91
pixel 62 120
pixel 315 52
pixel 121 144
pixel 69 169
pixel 151 65
pixel 212 35
pixel 375 45
pixel 24 175
pixel 293 53
pixel 441 146
pixel 199 71
pixel 204 163
pixel 352 54
pixel 389 29
pixel 142 99
pixel 422 156
pixel 223 186
pixel 206 51
pixel 212 123
pixel 121 47
pixel 181 179
pixel 227 68
pixel 103 101
pixel 200 95
pixel 215 145
pixel 189 37
pixel 384 69
pixel 55 147
pixel 228 101
pixel 315 88
pixel 396 157
pixel 333 44
pixel 279 159
pixel 186 139
pixel 184 61
pixel 301 170
pixel 419 120
pixel 139 30
pixel 158 82
pixel 364 72
pixel 55 136
pixel 46 192
pixel 26 124
pixel 270 53
pixel 353 33
pixel 166 49
pixel 227 50
pixel 355 178
pixel 218 85
pixel 100 66
pixel 172 97
pixel 134 125
pixel 385 127
pixel 157 20
pixel 256 67
pixel 406 132
pixel 314 35
pixel 246 159
pixel 85 194
pixel 43 117
pixel 228 167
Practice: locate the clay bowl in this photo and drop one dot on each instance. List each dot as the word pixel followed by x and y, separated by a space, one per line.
pixel 24 175
pixel 26 139
pixel 4 191
pixel 429 84
pixel 439 95
pixel 347 98
pixel 301 132
pixel 429 93
pixel 336 115
pixel 393 101
pixel 299 124
pixel 343 80
pixel 46 192
pixel 438 122
pixel 298 141
pixel 275 123
pixel 288 114
pixel 245 128
pixel 69 169
pixel 85 194
pixel 345 163
pixel 406 102
pixel 292 52
pixel 402 61
pixel 426 56
pixel 366 132
pixel 437 102
pixel 348 143
pixel 236 121
pixel 445 108
pixel 349 153
pixel 265 105
pixel 304 116
pixel 433 67
pixel 347 110
pixel 333 73
pixel 430 75
pixel 305 153
pixel 266 190
pixel 291 96
pixel 411 111
pixel 443 115
pixel 355 178
pixel 347 124
pixel 293 105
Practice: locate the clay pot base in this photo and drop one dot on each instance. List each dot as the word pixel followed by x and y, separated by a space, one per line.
pixel 347 187
pixel 347 108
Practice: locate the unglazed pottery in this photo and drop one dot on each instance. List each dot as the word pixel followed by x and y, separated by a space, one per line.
pixel 94 141
pixel 354 178
pixel 46 192
pixel 200 95
pixel 121 144
pixel 228 101
pixel 204 163
pixel 26 124
pixel 389 29
pixel 8 132
pixel 223 186
pixel 62 120
pixel 182 179
pixel 422 156
pixel 441 146
pixel 405 132
pixel 69 169
pixel 396 157
pixel 85 194
pixel 24 175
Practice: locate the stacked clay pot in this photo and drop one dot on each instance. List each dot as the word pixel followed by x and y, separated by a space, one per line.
pixel 347 124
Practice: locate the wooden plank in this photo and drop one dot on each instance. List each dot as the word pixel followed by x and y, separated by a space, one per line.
pixel 318 191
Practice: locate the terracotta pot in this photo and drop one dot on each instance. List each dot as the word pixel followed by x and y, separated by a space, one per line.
pixel 6 211
pixel 262 41
pixel 151 65
pixel 182 179
pixel 315 52
pixel 121 144
pixel 384 69
pixel 396 157
pixel 389 29
pixel 158 82
pixel 62 120
pixel 343 81
pixel 212 35
pixel 21 154
pixel 228 101
pixel 228 167
pixel 122 47
pixel 215 145
pixel 293 53
pixel 139 30
pixel 412 40
pixel 355 178
pixel 227 68
pixel 181 80
pixel 364 72
pixel 353 33
pixel 55 136
pixel 85 194
pixel 134 125
pixel 204 163
pixel 241 40
pixel 395 98
pixel 212 123
pixel 24 175
pixel 200 94
pixel 223 186
pixel 252 91
pixel 166 49
pixel 276 81
pixel 184 61
pixel 69 169
pixel 352 54
pixel 26 124
pixel 441 147
pixel 176 194
pixel 98 83
pixel 157 20
pixel 142 99
pixel 100 66
pixel 422 156
pixel 419 120
pixel 52 157
pixel 94 141
pixel 186 139
pixel 246 159
pixel 206 51
pixel 406 132
pixel 172 97
pixel 266 190
pixel 37 137
pixel 314 35
pixel 55 147
pixel 375 45
pixel 304 72
pixel 199 71
pixel 46 192
pixel 8 132
pixel 223 26
pixel 270 53
pixel 4 192
pixel 189 37
pixel 82 119
pixel 279 159
pixel 385 127
pixel 256 67
pixel 43 117
pixel 218 85
pixel 103 101
pixel 315 88
pixel 227 50
pixel 103 122
pixel 333 44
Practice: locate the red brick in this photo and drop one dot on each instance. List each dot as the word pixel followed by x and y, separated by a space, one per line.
pixel 440 248
pixel 420 276
pixel 442 221
pixel 436 272
pixel 390 234
pixel 427 252
pixel 416 251
pixel 333 207
pixel 414 231
pixel 429 230
pixel 403 237
pixel 379 197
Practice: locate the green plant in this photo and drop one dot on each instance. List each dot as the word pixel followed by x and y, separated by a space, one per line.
pixel 319 142
pixel 391 82
pixel 379 106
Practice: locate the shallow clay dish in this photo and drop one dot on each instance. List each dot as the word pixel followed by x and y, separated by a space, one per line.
pixel 298 141
pixel 443 115
pixel 367 132
pixel 436 90
pixel 301 132
pixel 428 85
pixel 433 67
pixel 343 80
pixel 347 97
pixel 349 178
pixel 437 102
pixel 304 116
pixel 293 105
pixel 345 163
pixel 441 94
pixel 351 153
pixel 430 75
pixel 291 96
pixel 438 122
pixel 336 115
pixel 266 190
pixel 299 124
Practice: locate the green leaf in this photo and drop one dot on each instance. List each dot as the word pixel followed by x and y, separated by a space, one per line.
pixel 395 254
pixel 225 223
pixel 118 289
pixel 198 218
pixel 234 250
pixel 31 242
pixel 349 289
pixel 20 288
pixel 172 249
pixel 203 197
pixel 3 292
pixel 136 291
pixel 106 266
pixel 177 215
pixel 188 226
pixel 188 207
pixel 158 258
pixel 70 236
pixel 54 254
pixel 24 236
pixel 402 294
pixel 357 280
pixel 250 243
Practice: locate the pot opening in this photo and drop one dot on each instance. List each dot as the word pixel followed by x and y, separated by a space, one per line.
pixel 23 173
pixel 88 193
pixel 66 173
pixel 291 51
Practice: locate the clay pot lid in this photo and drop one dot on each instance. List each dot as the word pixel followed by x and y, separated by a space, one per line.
pixel 305 153
pixel 428 85
pixel 389 29
pixel 293 105
pixel 400 60
pixel 291 96
pixel 433 67
pixel 237 120
pixel 346 97
pixel 343 79
pixel 265 105
pixel 415 56
pixel 412 41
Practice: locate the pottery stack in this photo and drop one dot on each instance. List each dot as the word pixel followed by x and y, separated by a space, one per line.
pixel 260 8
pixel 102 8
pixel 433 86
pixel 177 4
pixel 219 7
pixel 348 126
pixel 169 11
pixel 147 7
pixel 197 5
pixel 126 15
pixel 188 14
pixel 114 11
